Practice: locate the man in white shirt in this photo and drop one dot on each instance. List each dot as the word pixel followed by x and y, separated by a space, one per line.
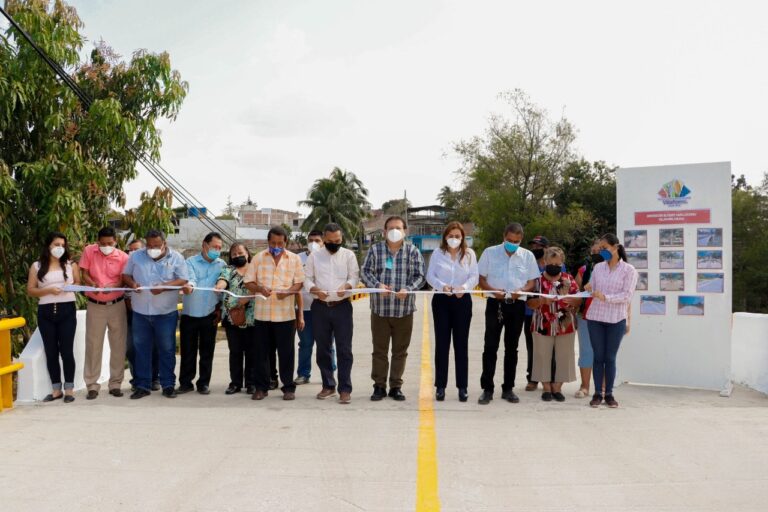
pixel 329 275
pixel 504 269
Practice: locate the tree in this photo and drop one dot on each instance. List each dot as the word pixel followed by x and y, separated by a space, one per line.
pixel 154 212
pixel 61 166
pixel 514 171
pixel 750 245
pixel 230 211
pixel 340 198
pixel 396 206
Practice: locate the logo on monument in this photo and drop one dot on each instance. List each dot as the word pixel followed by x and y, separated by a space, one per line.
pixel 674 193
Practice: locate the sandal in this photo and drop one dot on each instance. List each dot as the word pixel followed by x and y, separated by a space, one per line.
pixel 582 393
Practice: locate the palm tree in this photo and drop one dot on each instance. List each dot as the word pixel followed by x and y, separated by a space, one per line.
pixel 339 198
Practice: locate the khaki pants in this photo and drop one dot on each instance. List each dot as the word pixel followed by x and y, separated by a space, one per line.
pixel 99 318
pixel 565 358
pixel 384 328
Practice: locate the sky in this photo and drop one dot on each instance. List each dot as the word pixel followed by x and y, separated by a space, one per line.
pixel 283 91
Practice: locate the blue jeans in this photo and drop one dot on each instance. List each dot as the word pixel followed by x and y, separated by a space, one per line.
pixel 306 342
pixel 155 331
pixel 585 345
pixel 605 339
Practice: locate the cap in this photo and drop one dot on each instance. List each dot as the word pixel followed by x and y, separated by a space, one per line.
pixel 540 240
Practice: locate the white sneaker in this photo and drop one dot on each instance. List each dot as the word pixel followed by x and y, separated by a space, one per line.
pixel 301 380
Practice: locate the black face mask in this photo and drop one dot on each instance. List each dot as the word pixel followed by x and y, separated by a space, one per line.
pixel 239 261
pixel 332 248
pixel 596 258
pixel 538 253
pixel 553 270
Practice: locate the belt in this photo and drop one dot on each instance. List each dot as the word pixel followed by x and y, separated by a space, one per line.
pixel 332 304
pixel 100 303
pixel 507 301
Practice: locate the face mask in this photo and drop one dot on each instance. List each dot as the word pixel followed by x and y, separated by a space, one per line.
pixel 314 246
pixel 106 250
pixel 453 243
pixel 275 251
pixel 606 254
pixel 57 252
pixel 510 247
pixel 596 258
pixel 213 254
pixel 154 253
pixel 538 253
pixel 394 235
pixel 553 270
pixel 332 247
pixel 239 261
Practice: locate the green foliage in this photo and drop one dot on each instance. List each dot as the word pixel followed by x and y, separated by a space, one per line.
pixel 340 198
pixel 396 206
pixel 750 245
pixel 61 166
pixel 154 212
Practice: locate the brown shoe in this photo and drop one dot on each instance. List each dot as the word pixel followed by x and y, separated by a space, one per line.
pixel 345 397
pixel 611 402
pixel 289 395
pixel 326 393
pixel 596 400
pixel 532 386
pixel 259 395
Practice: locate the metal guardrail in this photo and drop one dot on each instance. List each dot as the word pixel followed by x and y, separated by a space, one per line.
pixel 6 368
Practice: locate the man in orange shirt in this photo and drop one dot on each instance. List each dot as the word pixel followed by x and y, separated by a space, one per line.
pixel 102 266
pixel 278 275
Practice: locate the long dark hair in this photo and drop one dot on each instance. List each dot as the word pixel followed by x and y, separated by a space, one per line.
pixel 588 266
pixel 45 255
pixel 613 241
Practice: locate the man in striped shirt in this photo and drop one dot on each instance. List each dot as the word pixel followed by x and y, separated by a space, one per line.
pixel 397 267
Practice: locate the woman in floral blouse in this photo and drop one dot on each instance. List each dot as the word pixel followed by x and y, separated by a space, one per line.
pixel 237 318
pixel 553 327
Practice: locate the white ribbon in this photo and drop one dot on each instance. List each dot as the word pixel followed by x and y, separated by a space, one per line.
pixel 353 291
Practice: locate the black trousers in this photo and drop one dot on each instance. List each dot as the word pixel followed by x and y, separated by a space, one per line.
pixel 240 341
pixel 329 323
pixel 510 318
pixel 528 346
pixel 197 334
pixel 452 318
pixel 57 324
pixel 282 335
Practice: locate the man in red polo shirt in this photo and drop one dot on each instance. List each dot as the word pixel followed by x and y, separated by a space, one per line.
pixel 102 266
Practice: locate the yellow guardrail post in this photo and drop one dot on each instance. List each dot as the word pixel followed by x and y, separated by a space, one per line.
pixel 6 368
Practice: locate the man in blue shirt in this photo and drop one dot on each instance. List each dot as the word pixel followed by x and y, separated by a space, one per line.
pixel 504 269
pixel 200 315
pixel 154 311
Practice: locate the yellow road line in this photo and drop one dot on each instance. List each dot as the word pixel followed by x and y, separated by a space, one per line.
pixel 426 468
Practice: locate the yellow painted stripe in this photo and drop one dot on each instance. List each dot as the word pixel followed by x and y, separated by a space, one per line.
pixel 426 468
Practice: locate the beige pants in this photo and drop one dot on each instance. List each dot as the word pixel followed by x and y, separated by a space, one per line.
pixel 565 359
pixel 98 319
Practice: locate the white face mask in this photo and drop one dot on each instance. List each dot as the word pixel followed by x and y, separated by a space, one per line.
pixel 453 243
pixel 314 246
pixel 57 252
pixel 154 253
pixel 394 235
pixel 106 250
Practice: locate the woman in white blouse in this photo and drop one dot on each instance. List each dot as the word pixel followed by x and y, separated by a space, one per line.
pixel 452 270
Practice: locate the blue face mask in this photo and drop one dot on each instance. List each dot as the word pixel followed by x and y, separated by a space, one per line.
pixel 213 254
pixel 275 251
pixel 606 254
pixel 510 247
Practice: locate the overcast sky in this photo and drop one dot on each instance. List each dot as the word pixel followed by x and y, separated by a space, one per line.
pixel 283 91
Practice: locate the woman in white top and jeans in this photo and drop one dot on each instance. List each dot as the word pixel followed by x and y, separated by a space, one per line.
pixel 56 311
pixel 452 268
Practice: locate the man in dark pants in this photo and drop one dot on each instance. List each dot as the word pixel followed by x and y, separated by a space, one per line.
pixel 504 269
pixel 330 273
pixel 200 315
pixel 278 275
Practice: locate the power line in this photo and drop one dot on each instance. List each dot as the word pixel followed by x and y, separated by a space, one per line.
pixel 153 167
